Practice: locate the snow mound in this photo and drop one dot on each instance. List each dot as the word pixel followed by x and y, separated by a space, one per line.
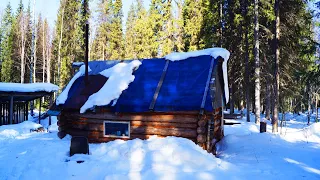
pixel 64 94
pixel 119 78
pixel 155 158
pixel 28 87
pixel 315 128
pixel 15 130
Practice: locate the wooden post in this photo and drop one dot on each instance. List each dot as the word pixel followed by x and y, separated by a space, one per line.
pixel 26 111
pixel 39 110
pixel 49 107
pixel 316 107
pixel 11 110
pixel 0 114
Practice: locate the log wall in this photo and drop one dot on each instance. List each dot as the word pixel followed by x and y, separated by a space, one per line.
pixel 187 125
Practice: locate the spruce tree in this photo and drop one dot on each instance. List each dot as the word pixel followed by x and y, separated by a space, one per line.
pixel 130 34
pixel 7 45
pixel 193 20
pixel 108 42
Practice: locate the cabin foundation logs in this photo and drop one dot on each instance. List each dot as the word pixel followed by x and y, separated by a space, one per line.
pixel 202 131
pixel 142 126
pixel 217 130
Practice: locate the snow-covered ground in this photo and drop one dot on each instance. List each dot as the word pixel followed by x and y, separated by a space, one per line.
pixel 244 153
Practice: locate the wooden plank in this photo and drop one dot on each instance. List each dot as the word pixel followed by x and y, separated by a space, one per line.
pixel 11 110
pixel 39 111
pixel 142 117
pixel 1 122
pixel 28 94
pixel 50 104
pixel 100 127
pixel 135 123
pixel 164 132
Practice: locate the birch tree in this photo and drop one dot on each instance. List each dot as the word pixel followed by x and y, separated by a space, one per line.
pixel 257 61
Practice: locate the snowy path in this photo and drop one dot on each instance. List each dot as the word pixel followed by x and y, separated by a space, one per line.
pixel 244 154
pixel 268 156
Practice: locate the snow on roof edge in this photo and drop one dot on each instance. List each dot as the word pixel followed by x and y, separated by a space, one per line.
pixel 119 78
pixel 213 52
pixel 28 87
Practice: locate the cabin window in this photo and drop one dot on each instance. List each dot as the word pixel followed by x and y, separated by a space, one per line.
pixel 117 129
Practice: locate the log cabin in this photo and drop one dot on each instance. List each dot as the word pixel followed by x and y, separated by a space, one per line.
pixel 180 95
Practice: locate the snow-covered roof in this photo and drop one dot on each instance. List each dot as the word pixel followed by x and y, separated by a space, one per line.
pixel 120 76
pixel 215 53
pixel 28 87
pixel 64 94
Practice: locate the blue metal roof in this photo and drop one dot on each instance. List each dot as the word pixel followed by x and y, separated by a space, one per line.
pixel 182 89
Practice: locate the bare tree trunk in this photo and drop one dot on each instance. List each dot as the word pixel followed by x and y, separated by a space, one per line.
pixel 247 69
pixel 43 54
pixel 257 62
pixel 60 42
pixel 232 99
pixel 309 108
pixel 35 58
pixel 221 23
pixel 32 51
pixel 268 103
pixel 48 60
pixel 316 107
pixel 276 72
pixel 23 45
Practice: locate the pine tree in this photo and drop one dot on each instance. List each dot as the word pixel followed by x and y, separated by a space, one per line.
pixel 108 43
pixel 130 34
pixel 193 20
pixel 68 44
pixel 7 45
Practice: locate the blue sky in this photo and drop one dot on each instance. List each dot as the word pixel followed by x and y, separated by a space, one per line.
pixel 49 8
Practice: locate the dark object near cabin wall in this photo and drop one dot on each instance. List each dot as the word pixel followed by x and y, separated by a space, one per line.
pixel 79 145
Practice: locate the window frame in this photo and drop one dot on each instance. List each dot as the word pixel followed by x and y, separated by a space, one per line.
pixel 116 122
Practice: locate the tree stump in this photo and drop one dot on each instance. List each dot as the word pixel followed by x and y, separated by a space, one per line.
pixel 263 127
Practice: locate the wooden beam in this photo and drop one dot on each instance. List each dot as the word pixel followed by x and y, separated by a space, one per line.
pixel 137 117
pixel 1 114
pixel 26 111
pixel 39 110
pixel 11 110
pixel 41 93
pixel 50 104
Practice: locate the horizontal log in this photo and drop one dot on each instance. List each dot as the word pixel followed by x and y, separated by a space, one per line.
pixel 133 136
pixel 142 117
pixel 76 132
pixel 164 124
pixel 94 122
pixel 189 133
pixel 196 113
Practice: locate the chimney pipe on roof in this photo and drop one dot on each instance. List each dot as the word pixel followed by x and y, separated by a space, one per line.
pixel 86 41
pixel 86 53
